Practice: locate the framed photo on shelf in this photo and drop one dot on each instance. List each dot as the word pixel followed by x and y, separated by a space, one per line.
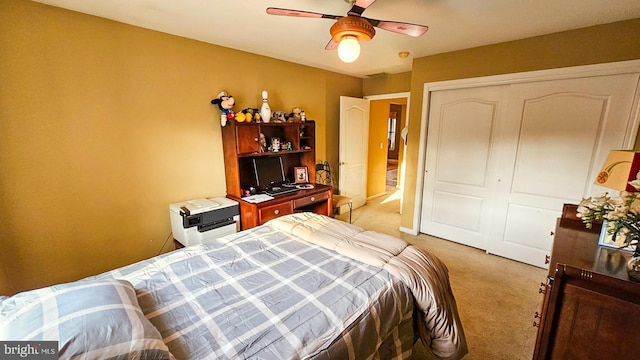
pixel 302 174
pixel 606 239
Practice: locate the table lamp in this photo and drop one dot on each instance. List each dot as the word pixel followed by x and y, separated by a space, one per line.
pixel 620 169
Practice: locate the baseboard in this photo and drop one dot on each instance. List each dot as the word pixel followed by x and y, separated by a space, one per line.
pixel 408 231
pixel 377 196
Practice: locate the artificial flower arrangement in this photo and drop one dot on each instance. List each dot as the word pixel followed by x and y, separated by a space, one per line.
pixel 622 214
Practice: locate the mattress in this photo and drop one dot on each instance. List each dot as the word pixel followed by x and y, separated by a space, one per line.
pixel 301 286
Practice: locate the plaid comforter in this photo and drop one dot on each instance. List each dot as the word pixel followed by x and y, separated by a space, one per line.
pixel 268 294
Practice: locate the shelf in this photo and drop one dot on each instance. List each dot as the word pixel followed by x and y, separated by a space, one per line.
pixel 241 145
pixel 273 153
pixel 271 123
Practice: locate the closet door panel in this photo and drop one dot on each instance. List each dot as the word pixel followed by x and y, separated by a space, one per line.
pixel 502 160
pixel 562 131
pixel 459 183
pixel 549 163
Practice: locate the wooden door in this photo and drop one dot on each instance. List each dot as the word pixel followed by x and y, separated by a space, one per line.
pixel 248 139
pixel 354 145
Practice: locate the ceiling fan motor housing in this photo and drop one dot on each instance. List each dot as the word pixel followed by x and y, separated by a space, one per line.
pixel 352 26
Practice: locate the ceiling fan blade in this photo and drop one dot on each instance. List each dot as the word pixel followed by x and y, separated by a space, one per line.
pixel 359 6
pixel 414 30
pixel 331 45
pixel 299 13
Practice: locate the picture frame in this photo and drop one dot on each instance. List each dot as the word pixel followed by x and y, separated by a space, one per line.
pixel 611 261
pixel 606 239
pixel 301 174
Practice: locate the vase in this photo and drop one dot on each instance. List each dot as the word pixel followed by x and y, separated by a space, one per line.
pixel 633 265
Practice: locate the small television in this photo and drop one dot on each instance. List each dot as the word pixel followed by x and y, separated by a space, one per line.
pixel 268 171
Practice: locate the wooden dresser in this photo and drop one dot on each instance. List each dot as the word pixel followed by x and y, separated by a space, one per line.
pixel 591 310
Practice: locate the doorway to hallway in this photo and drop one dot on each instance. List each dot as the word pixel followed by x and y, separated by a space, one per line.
pixel 392 173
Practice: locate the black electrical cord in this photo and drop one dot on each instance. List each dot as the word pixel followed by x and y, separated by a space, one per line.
pixel 165 243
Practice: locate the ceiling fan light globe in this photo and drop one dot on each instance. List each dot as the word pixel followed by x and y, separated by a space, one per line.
pixel 349 49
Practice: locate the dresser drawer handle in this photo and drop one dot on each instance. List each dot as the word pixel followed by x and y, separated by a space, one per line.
pixel 538 315
pixel 313 198
pixel 276 211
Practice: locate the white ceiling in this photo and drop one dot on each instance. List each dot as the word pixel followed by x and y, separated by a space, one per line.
pixel 454 25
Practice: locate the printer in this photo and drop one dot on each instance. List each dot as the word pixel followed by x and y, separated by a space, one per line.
pixel 194 221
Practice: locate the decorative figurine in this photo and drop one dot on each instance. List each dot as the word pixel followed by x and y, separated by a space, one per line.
pixel 225 104
pixel 275 144
pixel 265 110
pixel 279 116
pixel 263 143
pixel 296 114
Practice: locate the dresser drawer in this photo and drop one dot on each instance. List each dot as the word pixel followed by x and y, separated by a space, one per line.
pixel 310 199
pixel 274 211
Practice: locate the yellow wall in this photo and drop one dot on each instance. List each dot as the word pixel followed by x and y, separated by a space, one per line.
pixel 387 84
pixel 598 44
pixel 103 125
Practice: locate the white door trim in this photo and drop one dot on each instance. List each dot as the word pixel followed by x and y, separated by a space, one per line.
pixel 622 67
pixel 388 96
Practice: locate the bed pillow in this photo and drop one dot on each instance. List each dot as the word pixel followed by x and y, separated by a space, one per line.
pixel 96 319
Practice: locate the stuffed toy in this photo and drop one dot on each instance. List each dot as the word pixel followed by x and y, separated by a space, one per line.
pixel 225 104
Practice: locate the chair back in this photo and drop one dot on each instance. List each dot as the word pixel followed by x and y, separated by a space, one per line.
pixel 323 174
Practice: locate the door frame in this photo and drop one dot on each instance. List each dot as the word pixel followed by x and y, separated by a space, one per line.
pixel 621 67
pixel 406 95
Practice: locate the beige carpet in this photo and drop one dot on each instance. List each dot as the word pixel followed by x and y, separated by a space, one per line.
pixel 496 297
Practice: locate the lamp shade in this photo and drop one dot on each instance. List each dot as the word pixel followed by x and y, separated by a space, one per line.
pixel 620 169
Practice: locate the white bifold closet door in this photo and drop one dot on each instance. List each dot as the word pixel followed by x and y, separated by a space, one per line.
pixel 502 160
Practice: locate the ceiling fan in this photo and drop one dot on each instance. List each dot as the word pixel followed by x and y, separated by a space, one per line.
pixel 349 29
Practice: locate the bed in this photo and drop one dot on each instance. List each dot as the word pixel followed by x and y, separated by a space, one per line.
pixel 302 286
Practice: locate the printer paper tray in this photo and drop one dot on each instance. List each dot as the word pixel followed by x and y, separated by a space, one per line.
pixel 208 227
